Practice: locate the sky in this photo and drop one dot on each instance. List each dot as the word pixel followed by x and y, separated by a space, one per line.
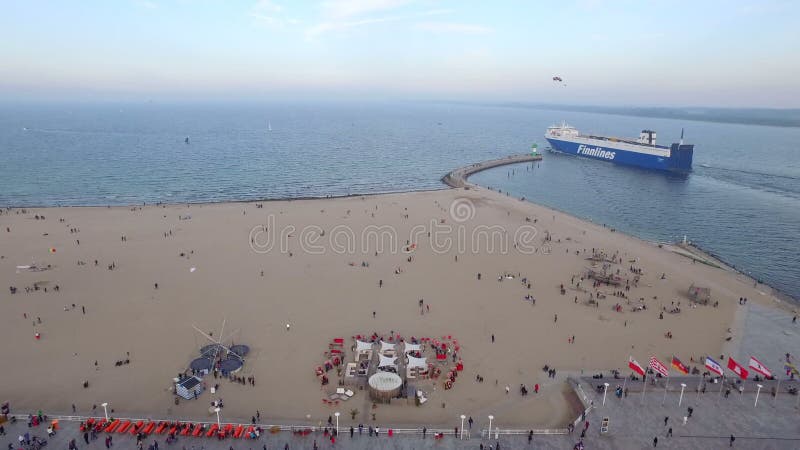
pixel 640 52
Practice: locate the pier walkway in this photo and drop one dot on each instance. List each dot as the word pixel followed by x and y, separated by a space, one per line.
pixel 458 177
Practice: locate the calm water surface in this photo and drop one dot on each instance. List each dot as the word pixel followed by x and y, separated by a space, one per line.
pixel 742 202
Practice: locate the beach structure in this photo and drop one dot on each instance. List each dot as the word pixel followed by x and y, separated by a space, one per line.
pixel 610 279
pixel 189 387
pixel 699 294
pixel 384 386
pixel 202 365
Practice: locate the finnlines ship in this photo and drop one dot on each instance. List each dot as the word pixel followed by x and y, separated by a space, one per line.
pixel 642 152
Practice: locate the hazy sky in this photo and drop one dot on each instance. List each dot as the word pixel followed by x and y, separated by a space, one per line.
pixel 638 52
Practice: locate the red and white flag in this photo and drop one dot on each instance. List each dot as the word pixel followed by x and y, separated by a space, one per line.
pixel 635 366
pixel 737 368
pixel 760 368
pixel 713 366
pixel 658 366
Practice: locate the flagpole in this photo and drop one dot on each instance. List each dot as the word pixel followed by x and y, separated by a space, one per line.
pixel 666 381
pixel 699 388
pixel 623 388
pixel 644 385
pixel 741 395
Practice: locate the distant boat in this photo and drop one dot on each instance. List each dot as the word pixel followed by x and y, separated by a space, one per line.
pixel 186 140
pixel 269 126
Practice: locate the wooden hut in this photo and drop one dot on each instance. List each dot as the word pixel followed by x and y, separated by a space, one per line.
pixel 699 294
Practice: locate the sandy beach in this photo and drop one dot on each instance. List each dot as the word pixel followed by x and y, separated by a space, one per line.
pixel 261 266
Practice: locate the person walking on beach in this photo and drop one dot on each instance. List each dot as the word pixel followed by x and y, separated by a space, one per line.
pixel 492 338
pixel 733 438
pixel 655 441
pixel 669 432
pixel 666 419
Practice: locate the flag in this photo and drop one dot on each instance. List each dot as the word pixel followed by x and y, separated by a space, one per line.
pixel 635 366
pixel 658 366
pixel 713 366
pixel 737 369
pixel 760 368
pixel 677 364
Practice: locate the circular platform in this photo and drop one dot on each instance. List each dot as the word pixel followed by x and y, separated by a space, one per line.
pixel 240 349
pixel 230 365
pixel 201 364
pixel 383 386
pixel 211 350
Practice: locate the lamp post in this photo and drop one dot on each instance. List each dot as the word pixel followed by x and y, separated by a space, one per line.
pixel 216 410
pixel 680 399
pixel 461 435
pixel 757 392
pixel 490 426
pixel 105 409
pixel 337 422
pixel 605 391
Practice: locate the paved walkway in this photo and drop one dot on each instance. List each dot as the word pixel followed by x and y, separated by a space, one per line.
pixel 768 334
pixel 633 423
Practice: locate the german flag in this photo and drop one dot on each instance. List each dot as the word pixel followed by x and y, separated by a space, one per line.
pixel 678 365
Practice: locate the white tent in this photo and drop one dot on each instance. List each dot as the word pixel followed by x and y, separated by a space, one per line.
pixel 363 346
pixel 386 346
pixel 409 347
pixel 387 362
pixel 417 362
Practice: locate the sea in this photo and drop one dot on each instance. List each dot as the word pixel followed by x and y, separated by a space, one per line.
pixel 740 203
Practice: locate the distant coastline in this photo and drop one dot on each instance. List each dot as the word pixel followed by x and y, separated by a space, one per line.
pixel 744 116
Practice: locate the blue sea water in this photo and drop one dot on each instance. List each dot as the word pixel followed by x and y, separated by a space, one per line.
pixel 742 202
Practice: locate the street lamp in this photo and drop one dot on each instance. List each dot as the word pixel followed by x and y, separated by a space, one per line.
pixel 337 422
pixel 490 426
pixel 105 409
pixel 216 410
pixel 757 392
pixel 680 399
pixel 461 436
pixel 605 391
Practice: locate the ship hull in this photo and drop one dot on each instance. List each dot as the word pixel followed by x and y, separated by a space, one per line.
pixel 680 159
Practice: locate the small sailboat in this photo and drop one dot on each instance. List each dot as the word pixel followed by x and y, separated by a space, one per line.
pixel 269 126
pixel 186 140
